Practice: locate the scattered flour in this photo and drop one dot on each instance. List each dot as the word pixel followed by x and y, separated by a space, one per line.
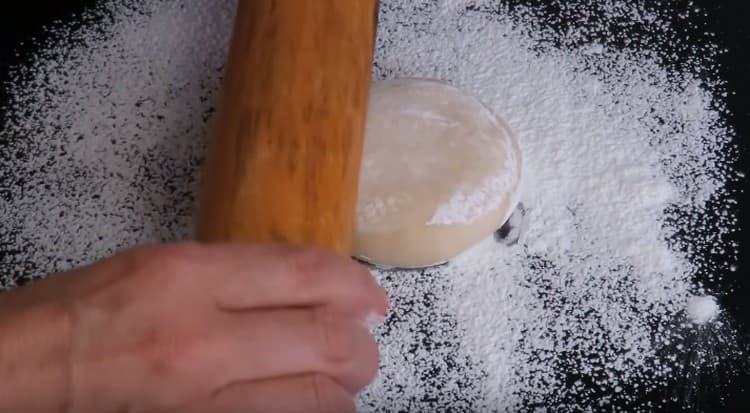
pixel 701 310
pixel 625 161
pixel 468 206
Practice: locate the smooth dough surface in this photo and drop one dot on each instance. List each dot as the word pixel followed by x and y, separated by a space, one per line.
pixel 440 173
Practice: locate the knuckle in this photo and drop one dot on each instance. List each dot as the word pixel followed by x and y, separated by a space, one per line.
pixel 309 261
pixel 169 354
pixel 160 358
pixel 165 358
pixel 313 269
pixel 164 259
pixel 309 267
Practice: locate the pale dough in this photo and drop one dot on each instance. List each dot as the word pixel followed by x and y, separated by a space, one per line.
pixel 440 173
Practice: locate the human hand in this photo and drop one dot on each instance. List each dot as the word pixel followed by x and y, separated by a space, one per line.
pixel 193 328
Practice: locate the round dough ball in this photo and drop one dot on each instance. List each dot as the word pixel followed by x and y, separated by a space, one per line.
pixel 440 173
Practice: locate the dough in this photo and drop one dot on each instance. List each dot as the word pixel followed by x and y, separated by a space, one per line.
pixel 440 173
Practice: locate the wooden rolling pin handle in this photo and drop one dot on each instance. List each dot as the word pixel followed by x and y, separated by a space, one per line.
pixel 284 160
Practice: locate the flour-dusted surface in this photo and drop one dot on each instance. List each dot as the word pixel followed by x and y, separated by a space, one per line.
pixel 109 127
pixel 625 161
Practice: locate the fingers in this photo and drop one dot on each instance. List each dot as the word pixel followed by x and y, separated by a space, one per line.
pixel 253 314
pixel 311 393
pixel 266 344
pixel 270 276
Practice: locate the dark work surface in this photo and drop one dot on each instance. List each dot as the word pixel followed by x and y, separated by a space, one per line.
pixel 23 25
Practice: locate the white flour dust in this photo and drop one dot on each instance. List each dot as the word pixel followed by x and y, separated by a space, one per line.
pixel 703 309
pixel 625 162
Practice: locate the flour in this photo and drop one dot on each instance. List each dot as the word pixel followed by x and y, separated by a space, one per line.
pixel 626 158
pixel 701 310
pixel 467 206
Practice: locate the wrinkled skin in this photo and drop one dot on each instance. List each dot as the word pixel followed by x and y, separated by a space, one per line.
pixel 192 328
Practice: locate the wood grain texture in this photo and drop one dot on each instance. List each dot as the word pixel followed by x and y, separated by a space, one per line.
pixel 284 160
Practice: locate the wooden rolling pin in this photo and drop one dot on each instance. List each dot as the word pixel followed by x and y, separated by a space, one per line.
pixel 284 159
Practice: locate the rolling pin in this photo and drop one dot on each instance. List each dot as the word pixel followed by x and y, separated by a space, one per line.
pixel 283 161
